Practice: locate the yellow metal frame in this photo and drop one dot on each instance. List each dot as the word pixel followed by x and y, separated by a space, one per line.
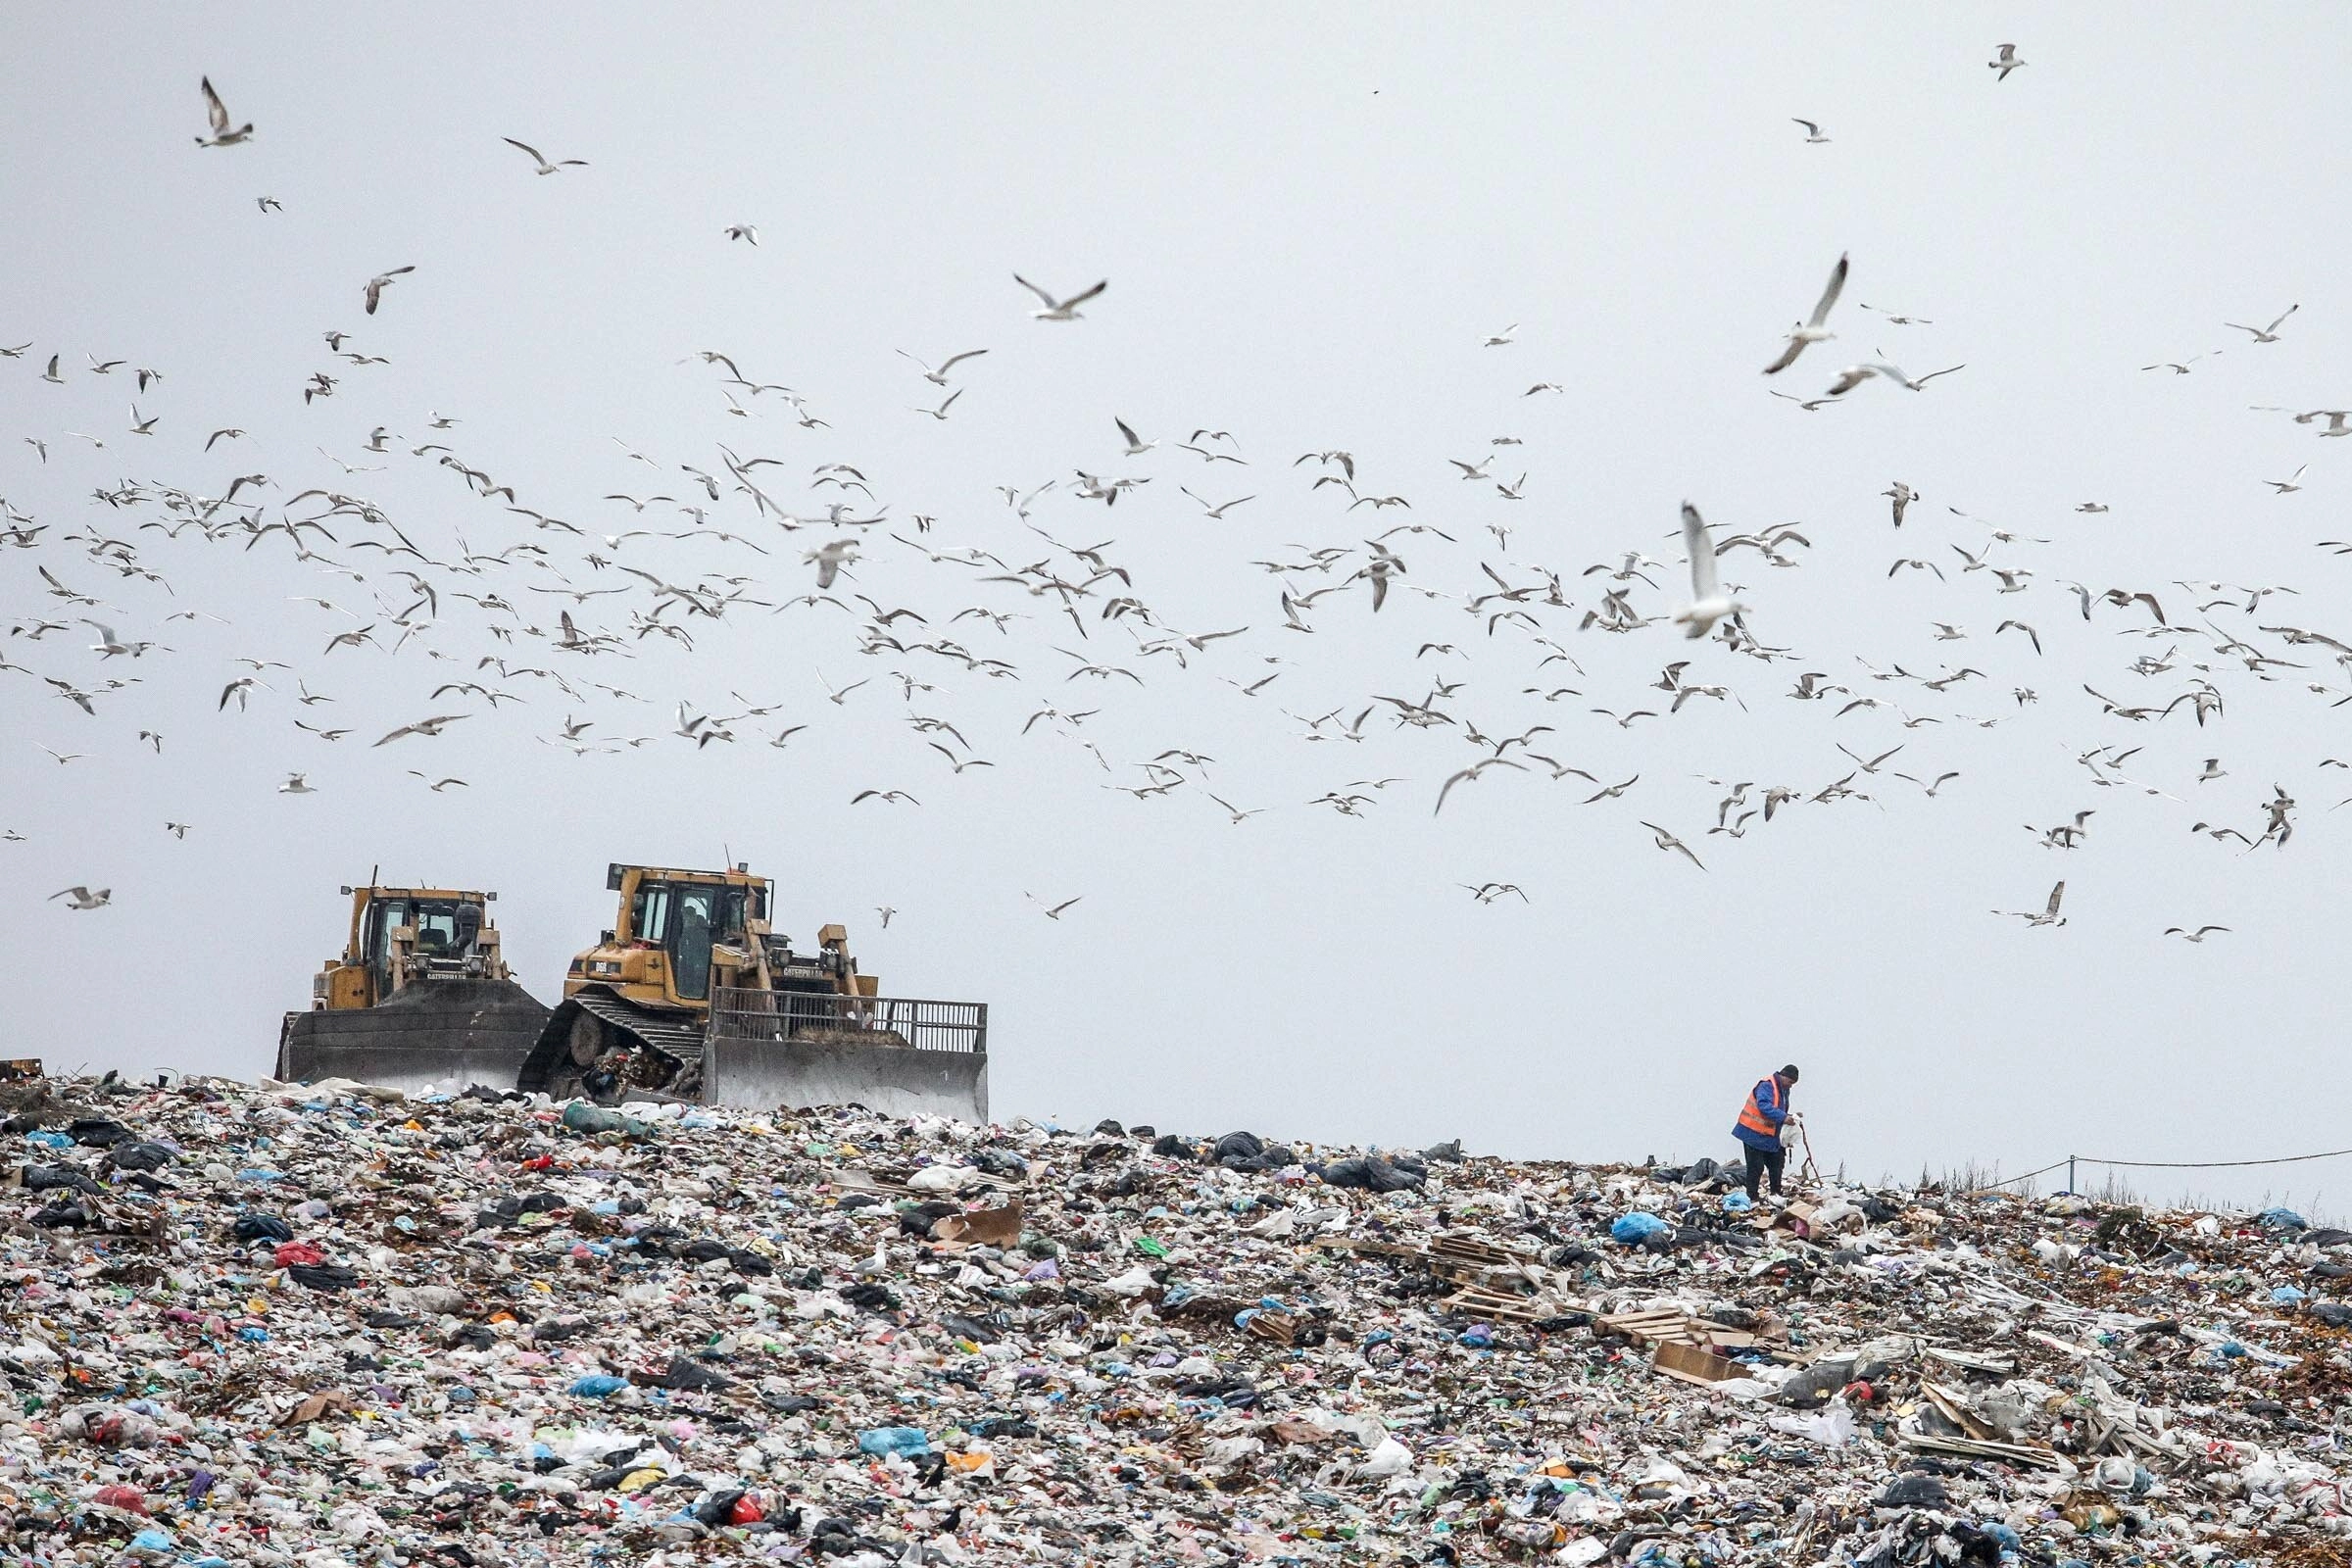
pixel 642 974
pixel 348 983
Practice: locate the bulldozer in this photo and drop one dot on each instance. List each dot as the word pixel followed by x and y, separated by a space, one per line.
pixel 694 996
pixel 421 996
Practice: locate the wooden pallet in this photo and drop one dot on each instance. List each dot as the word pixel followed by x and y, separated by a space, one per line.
pixel 1664 1325
pixel 1474 1301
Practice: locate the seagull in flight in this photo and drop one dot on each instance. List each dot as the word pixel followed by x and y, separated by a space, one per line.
pixel 2203 931
pixel 937 375
pixel 536 157
pixel 1674 845
pixel 79 897
pixel 1053 911
pixel 2270 333
pixel 2049 914
pixel 1709 603
pixel 296 784
pixel 1058 310
pixel 2005 60
pixel 222 136
pixel 382 281
pixel 1813 135
pixel 2288 485
pixel 1812 331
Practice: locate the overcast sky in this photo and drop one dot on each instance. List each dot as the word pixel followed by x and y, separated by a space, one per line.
pixel 1310 220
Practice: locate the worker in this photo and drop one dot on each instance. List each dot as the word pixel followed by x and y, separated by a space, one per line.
pixel 1762 1120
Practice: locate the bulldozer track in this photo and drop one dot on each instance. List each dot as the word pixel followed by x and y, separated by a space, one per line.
pixel 682 1041
pixel 550 1059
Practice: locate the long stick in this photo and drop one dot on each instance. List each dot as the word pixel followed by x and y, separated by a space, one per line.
pixel 1809 1168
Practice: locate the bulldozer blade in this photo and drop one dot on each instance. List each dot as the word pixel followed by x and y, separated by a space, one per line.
pixel 447 1034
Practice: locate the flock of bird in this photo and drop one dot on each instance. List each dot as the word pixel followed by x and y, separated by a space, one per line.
pixel 550 615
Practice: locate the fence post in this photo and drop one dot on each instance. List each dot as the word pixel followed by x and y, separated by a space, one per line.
pixel 2070 1176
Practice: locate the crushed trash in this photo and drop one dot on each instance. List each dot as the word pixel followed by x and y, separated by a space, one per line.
pixel 310 1326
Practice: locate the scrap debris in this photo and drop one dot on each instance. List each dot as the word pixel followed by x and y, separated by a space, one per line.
pixel 326 1325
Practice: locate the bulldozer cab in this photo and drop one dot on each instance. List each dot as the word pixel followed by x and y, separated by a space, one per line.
pixel 402 934
pixel 683 915
pixel 432 928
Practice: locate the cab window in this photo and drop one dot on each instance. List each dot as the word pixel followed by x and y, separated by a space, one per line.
pixel 648 913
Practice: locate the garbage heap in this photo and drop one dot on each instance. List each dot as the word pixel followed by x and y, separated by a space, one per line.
pixel 324 1325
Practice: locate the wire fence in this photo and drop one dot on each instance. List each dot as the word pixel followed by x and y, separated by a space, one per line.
pixel 2070 1161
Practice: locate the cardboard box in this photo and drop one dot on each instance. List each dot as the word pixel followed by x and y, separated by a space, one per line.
pixel 1692 1364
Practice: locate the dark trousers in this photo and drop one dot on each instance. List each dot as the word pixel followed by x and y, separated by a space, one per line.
pixel 1760 1163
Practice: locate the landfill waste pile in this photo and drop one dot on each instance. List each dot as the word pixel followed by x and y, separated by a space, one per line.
pixel 326 1325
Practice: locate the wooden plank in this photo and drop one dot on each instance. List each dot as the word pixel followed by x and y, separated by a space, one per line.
pixel 1974 1449
pixel 1955 1409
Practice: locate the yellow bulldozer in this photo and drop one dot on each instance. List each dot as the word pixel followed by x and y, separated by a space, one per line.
pixel 692 995
pixel 421 996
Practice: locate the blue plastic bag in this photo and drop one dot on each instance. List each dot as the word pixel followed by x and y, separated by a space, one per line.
pixel 597 1385
pixel 1737 1202
pixel 1635 1228
pixel 905 1441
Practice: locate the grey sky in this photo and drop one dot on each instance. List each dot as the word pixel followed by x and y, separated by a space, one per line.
pixel 1309 220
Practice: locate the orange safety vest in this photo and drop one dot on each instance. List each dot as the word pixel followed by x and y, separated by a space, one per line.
pixel 1751 1115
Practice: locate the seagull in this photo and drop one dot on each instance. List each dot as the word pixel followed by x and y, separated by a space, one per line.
pixel 940 412
pixel 2049 914
pixel 381 281
pixel 1674 845
pixel 1813 133
pixel 1853 375
pixel 2201 932
pixel 829 558
pixel 1810 332
pixel 1136 444
pixel 296 784
pixel 423 726
pixel 108 644
pixel 2288 485
pixel 1501 340
pixel 1902 494
pixel 2005 61
pixel 1709 603
pixel 1942 779
pixel 222 136
pixel 438 787
pixel 938 375
pixel 79 898
pixel 1217 513
pixel 1489 892
pixel 1054 912
pixel 886 797
pixel 2270 333
pixel 178 830
pixel 2030 632
pixel 1236 812
pixel 545 167
pixel 1057 310
pixel 747 232
pixel 63 757
pixel 1470 774
pixel 885 911
pixel 1871 765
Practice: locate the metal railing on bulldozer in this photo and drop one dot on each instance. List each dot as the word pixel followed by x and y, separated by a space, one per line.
pixel 959 1027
